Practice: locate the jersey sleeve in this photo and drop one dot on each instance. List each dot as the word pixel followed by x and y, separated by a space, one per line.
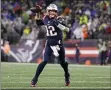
pixel 42 21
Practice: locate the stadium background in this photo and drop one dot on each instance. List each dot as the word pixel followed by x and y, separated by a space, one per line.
pixel 90 23
pixel 88 20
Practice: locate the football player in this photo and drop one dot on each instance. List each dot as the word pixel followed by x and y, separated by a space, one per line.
pixel 54 42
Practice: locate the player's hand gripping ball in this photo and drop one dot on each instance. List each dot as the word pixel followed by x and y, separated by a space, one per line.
pixel 36 9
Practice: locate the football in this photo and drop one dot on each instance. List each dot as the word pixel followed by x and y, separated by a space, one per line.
pixel 36 9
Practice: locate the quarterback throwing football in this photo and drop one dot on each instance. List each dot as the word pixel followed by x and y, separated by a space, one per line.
pixel 54 42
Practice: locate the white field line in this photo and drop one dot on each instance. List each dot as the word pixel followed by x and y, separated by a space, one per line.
pixel 56 67
pixel 60 88
pixel 51 76
pixel 73 65
pixel 3 77
pixel 85 75
pixel 58 70
pixel 45 75
pixel 104 82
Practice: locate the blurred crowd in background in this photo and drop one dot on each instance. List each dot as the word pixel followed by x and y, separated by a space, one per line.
pixel 91 19
pixel 87 19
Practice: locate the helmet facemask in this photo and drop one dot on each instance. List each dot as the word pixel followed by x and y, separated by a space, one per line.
pixel 52 13
pixel 52 10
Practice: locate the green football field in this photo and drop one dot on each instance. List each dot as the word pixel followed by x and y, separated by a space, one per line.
pixel 19 75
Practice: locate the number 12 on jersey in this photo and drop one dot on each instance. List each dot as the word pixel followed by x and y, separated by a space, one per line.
pixel 51 31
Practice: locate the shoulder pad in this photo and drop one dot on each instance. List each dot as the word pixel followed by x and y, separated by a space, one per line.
pixel 45 16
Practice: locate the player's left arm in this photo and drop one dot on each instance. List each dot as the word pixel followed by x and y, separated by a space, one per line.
pixel 62 26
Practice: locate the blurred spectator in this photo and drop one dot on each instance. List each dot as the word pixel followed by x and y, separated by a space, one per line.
pixel 5 49
pixel 108 60
pixel 77 55
pixel 102 51
pixel 93 13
